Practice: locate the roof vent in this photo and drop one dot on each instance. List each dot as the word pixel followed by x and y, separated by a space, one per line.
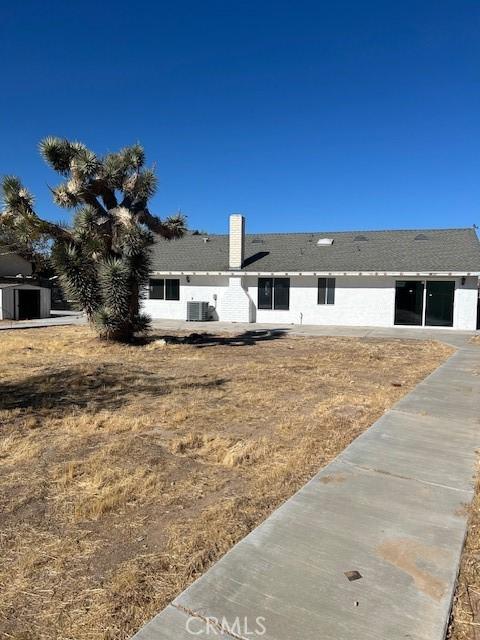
pixel 324 241
pixel 206 239
pixel 421 236
pixel 360 239
pixel 258 241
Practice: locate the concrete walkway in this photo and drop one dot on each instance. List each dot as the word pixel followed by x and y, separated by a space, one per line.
pixel 392 507
pixel 452 337
pixel 56 320
pixel 449 336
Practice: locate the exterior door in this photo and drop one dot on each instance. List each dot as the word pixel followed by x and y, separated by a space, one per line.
pixel 409 302
pixel 28 304
pixel 439 310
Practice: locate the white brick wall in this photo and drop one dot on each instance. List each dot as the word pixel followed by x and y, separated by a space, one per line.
pixel 359 301
pixel 465 305
pixel 200 288
pixel 235 303
pixel 236 241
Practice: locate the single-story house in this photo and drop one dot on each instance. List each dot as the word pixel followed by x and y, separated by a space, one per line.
pixel 426 277
pixel 22 296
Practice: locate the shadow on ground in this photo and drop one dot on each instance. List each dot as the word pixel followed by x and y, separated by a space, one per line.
pixel 110 385
pixel 245 339
pixel 105 386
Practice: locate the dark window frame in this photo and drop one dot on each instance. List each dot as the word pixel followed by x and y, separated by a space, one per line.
pixel 164 289
pixel 281 287
pixel 273 294
pixel 265 293
pixel 172 289
pixel 326 290
pixel 156 291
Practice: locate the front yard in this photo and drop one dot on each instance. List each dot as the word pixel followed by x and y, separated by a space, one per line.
pixel 125 471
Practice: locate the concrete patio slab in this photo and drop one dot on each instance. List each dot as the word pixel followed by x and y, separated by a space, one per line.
pixel 449 336
pixel 390 507
pixel 55 320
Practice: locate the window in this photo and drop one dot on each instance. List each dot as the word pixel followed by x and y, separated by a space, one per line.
pixel 274 293
pixel 281 293
pixel 326 291
pixel 265 286
pixel 164 289
pixel 156 290
pixel 172 289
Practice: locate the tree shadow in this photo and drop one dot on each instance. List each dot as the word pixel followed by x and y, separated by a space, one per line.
pixel 244 339
pixel 104 386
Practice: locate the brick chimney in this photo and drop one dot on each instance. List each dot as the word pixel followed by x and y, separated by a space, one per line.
pixel 237 241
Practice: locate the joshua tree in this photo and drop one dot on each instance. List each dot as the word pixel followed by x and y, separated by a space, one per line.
pixel 103 258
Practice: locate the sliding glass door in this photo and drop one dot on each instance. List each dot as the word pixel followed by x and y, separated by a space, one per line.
pixel 439 307
pixel 439 300
pixel 409 302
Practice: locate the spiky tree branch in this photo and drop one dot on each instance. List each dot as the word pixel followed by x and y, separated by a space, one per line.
pixel 18 209
pixel 103 258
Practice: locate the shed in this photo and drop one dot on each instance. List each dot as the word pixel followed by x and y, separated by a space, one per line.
pixel 24 300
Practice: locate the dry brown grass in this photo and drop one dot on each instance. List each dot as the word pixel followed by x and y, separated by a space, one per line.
pixel 127 470
pixel 475 340
pixel 465 618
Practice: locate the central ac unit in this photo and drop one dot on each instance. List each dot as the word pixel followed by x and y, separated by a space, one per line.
pixel 197 311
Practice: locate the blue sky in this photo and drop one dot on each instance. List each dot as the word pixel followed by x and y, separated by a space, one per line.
pixel 302 115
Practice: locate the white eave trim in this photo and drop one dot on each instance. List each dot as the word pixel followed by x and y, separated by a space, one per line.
pixel 406 274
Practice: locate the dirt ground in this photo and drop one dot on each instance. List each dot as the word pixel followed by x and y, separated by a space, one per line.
pixel 125 471
pixel 465 618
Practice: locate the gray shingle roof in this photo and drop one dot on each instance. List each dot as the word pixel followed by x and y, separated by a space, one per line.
pixel 435 250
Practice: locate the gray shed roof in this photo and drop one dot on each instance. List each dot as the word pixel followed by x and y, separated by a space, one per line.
pixel 421 250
